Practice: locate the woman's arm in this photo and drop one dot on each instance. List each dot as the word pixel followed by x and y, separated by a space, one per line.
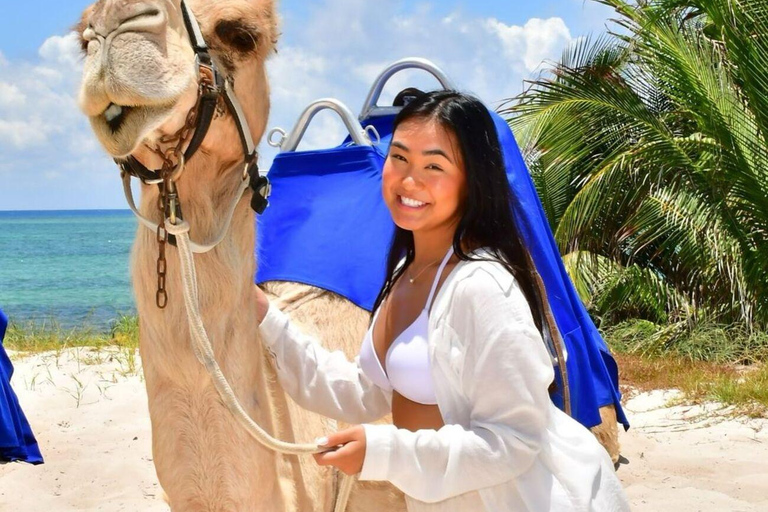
pixel 507 371
pixel 319 380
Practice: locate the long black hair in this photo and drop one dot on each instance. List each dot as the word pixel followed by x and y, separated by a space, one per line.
pixel 487 217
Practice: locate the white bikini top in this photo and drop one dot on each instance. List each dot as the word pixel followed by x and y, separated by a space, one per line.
pixel 407 359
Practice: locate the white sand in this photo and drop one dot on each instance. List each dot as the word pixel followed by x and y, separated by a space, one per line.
pixel 693 458
pixel 98 454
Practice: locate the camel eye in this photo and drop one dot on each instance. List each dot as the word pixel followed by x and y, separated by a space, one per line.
pixel 238 35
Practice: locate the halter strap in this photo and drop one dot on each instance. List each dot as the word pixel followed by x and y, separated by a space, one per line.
pixel 437 278
pixel 216 86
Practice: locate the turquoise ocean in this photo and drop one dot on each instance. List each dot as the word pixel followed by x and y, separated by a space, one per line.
pixel 67 267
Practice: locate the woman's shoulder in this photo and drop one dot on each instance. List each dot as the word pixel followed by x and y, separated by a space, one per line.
pixel 476 283
pixel 485 304
pixel 484 274
pixel 485 289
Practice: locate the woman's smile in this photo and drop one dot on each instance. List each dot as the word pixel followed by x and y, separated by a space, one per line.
pixel 408 203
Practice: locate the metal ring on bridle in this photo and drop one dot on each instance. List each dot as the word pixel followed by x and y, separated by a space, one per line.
pixel 179 169
pixel 247 168
pixel 155 181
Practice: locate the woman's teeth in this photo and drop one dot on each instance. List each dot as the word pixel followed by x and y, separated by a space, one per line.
pixel 411 202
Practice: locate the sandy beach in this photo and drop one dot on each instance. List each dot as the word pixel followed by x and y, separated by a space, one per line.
pixel 88 410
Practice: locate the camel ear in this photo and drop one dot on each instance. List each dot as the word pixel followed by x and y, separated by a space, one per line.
pixel 238 35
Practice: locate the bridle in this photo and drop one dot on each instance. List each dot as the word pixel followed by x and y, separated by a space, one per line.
pixel 212 86
pixel 215 91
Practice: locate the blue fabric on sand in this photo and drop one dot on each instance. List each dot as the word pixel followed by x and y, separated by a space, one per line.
pixel 328 226
pixel 17 443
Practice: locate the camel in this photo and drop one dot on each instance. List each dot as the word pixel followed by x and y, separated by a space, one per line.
pixel 139 84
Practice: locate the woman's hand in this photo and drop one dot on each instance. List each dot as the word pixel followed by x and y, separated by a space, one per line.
pixel 347 458
pixel 262 304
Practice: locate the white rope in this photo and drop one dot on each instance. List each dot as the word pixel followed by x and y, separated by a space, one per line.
pixel 204 351
pixel 195 247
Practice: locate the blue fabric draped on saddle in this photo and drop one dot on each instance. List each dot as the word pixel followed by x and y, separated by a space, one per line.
pixel 328 226
pixel 593 375
pixel 17 443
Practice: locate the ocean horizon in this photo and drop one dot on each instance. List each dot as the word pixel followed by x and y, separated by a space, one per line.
pixel 66 267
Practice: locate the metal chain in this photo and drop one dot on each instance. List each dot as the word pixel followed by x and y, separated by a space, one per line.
pixel 173 166
pixel 161 297
pixel 173 157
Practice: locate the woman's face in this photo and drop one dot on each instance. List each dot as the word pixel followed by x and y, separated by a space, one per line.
pixel 424 180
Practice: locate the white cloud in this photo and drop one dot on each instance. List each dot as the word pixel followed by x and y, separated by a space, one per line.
pixel 344 45
pixel 62 50
pixel 534 42
pixel 22 135
pixel 47 145
pixel 37 100
pixel 11 95
pixel 295 75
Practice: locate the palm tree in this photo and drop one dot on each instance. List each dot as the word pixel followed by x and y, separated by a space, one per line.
pixel 648 148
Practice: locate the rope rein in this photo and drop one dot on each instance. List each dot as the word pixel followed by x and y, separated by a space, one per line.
pixel 201 344
pixel 213 86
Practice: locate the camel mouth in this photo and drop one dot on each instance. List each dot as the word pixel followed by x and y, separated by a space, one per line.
pixel 122 128
pixel 115 116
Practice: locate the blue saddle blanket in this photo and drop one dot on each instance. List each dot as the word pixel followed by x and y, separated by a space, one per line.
pixel 17 443
pixel 593 375
pixel 328 226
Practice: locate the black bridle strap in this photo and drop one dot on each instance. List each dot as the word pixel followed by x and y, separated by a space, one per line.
pixel 193 29
pixel 249 148
pixel 206 109
pixel 207 106
pixel 222 86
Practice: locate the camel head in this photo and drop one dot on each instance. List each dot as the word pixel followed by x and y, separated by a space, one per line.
pixel 140 77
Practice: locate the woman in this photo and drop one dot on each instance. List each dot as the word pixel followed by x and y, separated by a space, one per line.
pixel 454 350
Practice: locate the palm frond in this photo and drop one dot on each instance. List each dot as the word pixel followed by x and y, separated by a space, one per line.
pixel 648 148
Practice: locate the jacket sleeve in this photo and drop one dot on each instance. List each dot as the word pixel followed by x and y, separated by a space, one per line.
pixel 505 378
pixel 319 380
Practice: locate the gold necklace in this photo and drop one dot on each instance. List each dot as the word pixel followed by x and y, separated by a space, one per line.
pixel 412 279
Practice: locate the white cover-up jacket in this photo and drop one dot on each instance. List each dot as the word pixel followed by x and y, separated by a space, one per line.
pixel 504 447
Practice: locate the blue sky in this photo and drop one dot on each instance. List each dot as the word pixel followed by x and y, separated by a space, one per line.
pixel 49 160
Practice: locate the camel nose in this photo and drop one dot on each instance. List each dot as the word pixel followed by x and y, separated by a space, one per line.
pixel 118 16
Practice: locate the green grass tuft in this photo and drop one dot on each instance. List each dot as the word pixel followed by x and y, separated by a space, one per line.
pixel 711 362
pixel 49 336
pixel 709 342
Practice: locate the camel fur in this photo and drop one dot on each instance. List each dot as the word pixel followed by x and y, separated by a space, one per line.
pixel 138 57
